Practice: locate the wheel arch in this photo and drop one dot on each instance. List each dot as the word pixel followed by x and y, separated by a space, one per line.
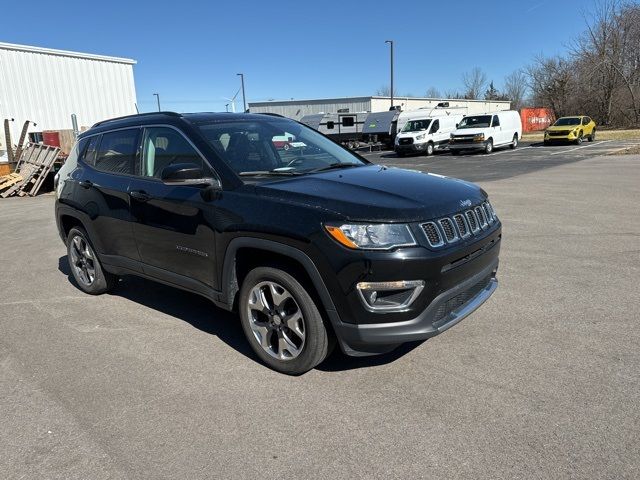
pixel 246 253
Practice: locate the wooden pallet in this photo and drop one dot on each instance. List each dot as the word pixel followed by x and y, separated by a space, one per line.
pixel 33 166
pixel 8 180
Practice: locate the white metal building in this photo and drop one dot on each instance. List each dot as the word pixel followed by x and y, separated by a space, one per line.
pixel 46 86
pixel 296 109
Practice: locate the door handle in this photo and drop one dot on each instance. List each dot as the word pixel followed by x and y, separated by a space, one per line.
pixel 86 183
pixel 140 195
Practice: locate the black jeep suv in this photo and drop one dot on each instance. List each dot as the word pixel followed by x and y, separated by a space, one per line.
pixel 309 242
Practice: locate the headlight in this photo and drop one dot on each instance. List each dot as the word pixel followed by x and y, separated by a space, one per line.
pixel 372 237
pixel 451 136
pixel 420 137
pixel 478 137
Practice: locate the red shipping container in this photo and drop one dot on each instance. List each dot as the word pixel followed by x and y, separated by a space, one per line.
pixel 51 137
pixel 536 119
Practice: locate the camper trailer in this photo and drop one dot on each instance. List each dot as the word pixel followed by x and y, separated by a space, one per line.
pixel 381 127
pixel 345 128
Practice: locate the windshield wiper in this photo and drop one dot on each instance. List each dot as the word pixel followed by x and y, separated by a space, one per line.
pixel 269 172
pixel 332 166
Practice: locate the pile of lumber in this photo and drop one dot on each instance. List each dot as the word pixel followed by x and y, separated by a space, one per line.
pixel 33 166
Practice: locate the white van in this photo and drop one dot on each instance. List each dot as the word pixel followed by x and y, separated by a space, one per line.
pixel 428 112
pixel 487 131
pixel 426 134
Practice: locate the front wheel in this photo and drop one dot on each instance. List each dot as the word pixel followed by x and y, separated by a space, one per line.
pixel 85 266
pixel 592 137
pixel 488 148
pixel 514 142
pixel 282 322
pixel 579 139
pixel 429 149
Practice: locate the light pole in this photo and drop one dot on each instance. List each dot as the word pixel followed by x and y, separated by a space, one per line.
pixel 158 99
pixel 390 42
pixel 244 101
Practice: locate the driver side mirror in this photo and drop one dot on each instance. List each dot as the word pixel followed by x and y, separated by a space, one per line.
pixel 186 174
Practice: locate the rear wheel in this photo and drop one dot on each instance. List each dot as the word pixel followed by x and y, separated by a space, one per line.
pixel 282 322
pixel 592 137
pixel 488 148
pixel 514 142
pixel 85 266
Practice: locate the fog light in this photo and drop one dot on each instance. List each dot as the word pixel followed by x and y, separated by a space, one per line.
pixel 389 296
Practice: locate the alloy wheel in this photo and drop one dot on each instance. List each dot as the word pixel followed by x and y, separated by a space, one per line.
pixel 83 260
pixel 276 320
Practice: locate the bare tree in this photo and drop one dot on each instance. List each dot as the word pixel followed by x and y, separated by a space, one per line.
pixel 432 92
pixel 515 89
pixel 451 94
pixel 475 82
pixel 385 91
pixel 552 83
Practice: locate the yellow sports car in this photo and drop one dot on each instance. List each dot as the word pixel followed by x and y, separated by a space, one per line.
pixel 571 129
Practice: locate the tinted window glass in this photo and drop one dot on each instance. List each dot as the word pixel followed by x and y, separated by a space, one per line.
pixel 496 121
pixel 477 121
pixel 586 120
pixel 435 126
pixel 164 146
pixel 348 122
pixel 117 151
pixel 89 155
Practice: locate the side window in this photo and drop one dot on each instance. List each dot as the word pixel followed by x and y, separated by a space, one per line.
pixel 586 120
pixel 163 146
pixel 496 121
pixel 117 151
pixel 330 125
pixel 435 126
pixel 89 155
pixel 348 122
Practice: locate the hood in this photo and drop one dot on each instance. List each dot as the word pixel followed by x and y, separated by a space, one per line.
pixel 470 131
pixel 562 127
pixel 376 193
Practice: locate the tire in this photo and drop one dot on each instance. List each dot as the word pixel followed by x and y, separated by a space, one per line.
pixel 488 148
pixel 85 266
pixel 514 142
pixel 400 154
pixel 579 139
pixel 429 149
pixel 546 143
pixel 282 322
pixel 592 137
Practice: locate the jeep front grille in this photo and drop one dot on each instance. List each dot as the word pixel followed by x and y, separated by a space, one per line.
pixel 459 226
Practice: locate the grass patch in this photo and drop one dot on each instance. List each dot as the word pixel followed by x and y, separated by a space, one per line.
pixel 635 150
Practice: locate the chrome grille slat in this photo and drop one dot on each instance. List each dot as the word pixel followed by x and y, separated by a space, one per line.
pixel 433 234
pixel 461 223
pixel 448 229
pixel 481 218
pixel 473 221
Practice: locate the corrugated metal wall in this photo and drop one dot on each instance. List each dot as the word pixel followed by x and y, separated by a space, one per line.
pixel 47 86
pixel 297 109
pixel 472 107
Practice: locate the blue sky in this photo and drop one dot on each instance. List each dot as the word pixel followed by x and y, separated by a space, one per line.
pixel 190 51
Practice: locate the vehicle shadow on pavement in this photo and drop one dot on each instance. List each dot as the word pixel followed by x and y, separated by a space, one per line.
pixel 188 307
pixel 206 317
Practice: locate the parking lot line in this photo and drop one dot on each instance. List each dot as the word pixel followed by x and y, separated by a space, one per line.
pixel 578 148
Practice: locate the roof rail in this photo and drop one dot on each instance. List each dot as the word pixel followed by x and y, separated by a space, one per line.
pixel 272 114
pixel 173 114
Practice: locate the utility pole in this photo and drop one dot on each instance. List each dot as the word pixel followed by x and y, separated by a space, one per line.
pixel 157 95
pixel 244 101
pixel 390 42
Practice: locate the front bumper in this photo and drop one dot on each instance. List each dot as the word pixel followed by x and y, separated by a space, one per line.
pixel 445 311
pixel 411 148
pixel 457 146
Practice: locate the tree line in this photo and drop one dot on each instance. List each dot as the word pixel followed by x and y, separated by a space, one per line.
pixel 599 75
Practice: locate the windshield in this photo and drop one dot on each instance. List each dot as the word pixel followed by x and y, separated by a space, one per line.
pixel 274 146
pixel 567 121
pixel 416 125
pixel 477 121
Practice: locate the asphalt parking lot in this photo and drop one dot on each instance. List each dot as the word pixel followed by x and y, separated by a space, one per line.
pixel 149 382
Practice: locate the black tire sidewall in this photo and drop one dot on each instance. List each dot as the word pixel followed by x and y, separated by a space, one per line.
pixel 429 149
pixel 488 148
pixel 514 145
pixel 316 345
pixel 103 281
